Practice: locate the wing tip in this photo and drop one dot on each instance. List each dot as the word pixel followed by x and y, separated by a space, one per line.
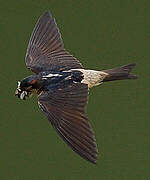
pixel 93 161
pixel 46 15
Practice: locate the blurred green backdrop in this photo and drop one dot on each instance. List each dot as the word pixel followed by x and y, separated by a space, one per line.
pixel 102 34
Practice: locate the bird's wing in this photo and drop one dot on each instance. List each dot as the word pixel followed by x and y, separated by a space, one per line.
pixel 46 50
pixel 65 109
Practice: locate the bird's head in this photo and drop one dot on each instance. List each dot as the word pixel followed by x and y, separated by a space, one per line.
pixel 26 87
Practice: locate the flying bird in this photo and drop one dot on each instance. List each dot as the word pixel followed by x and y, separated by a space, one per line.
pixel 62 84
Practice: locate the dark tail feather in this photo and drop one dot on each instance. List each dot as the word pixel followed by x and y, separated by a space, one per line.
pixel 120 73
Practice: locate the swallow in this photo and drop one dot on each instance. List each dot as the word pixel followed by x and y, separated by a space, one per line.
pixel 62 85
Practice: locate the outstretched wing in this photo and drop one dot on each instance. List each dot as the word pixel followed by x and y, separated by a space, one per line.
pixel 65 109
pixel 46 50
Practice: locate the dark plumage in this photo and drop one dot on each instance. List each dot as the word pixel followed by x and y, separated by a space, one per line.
pixel 62 85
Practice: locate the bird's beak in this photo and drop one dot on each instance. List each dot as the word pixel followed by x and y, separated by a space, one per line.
pixel 21 94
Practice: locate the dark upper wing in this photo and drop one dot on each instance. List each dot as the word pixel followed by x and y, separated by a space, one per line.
pixel 46 50
pixel 65 109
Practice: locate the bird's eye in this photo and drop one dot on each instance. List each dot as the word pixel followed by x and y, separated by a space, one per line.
pixel 23 85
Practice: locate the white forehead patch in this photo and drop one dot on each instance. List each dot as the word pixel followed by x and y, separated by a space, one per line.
pixel 19 83
pixel 19 86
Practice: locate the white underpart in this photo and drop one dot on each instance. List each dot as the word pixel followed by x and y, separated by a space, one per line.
pixel 50 75
pixel 92 77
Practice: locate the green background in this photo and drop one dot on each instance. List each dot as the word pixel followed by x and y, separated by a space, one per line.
pixel 102 34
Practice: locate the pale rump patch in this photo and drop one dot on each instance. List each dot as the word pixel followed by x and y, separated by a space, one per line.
pixel 92 77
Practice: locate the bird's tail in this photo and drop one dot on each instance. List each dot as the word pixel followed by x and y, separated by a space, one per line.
pixel 120 73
